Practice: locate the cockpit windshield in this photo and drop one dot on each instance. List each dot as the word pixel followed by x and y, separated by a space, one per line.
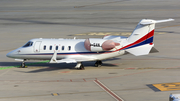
pixel 30 43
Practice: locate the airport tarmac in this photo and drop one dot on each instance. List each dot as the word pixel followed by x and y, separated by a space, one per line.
pixel 125 78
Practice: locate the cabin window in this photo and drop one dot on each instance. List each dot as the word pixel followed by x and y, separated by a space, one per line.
pixel 62 47
pixel 69 47
pixel 44 47
pixel 50 48
pixel 56 47
pixel 30 43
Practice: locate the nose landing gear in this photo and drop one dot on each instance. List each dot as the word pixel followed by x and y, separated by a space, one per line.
pixel 23 65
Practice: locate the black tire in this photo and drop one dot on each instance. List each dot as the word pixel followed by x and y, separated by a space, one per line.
pixel 23 65
pixel 98 63
pixel 82 67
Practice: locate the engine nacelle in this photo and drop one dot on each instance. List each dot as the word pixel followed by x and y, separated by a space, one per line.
pixel 97 45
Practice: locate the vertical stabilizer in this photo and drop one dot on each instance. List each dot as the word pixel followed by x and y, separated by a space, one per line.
pixel 141 40
pixel 143 31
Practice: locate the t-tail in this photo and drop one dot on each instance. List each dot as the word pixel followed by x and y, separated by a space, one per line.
pixel 141 40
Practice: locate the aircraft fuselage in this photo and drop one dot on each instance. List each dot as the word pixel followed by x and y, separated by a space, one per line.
pixel 43 49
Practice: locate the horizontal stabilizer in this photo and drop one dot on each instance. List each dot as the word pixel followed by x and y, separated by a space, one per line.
pixel 140 50
pixel 166 20
pixel 149 21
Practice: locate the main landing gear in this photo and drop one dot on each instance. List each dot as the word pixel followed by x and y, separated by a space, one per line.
pixel 79 66
pixel 23 65
pixel 98 63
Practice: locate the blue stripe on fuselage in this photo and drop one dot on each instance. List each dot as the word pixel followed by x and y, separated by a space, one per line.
pixel 150 40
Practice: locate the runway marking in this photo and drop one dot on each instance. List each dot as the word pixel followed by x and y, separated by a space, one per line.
pixel 65 72
pixel 115 96
pixel 130 68
pixel 84 80
pixel 167 86
pixel 55 94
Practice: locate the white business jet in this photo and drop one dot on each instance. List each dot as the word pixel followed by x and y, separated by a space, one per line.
pixel 92 49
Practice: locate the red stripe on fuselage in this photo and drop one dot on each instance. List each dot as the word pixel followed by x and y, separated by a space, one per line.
pixel 147 36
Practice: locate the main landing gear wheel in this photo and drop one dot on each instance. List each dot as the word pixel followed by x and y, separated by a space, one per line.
pixel 79 66
pixel 98 63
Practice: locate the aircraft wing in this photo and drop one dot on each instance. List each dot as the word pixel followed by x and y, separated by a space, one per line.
pixel 72 59
pixel 66 61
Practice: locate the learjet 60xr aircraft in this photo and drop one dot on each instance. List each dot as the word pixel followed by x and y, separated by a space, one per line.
pixel 140 42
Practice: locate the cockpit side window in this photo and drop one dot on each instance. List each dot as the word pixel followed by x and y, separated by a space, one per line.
pixel 30 43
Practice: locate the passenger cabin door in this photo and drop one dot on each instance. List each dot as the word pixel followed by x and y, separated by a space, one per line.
pixel 37 46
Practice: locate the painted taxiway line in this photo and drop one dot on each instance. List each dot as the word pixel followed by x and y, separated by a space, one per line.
pixel 115 96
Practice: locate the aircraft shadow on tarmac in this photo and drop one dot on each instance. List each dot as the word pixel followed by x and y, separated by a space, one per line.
pixel 42 67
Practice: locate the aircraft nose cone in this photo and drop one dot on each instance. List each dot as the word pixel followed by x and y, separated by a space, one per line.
pixel 9 54
pixel 12 54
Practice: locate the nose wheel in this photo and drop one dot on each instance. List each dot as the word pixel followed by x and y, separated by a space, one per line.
pixel 98 63
pixel 23 65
